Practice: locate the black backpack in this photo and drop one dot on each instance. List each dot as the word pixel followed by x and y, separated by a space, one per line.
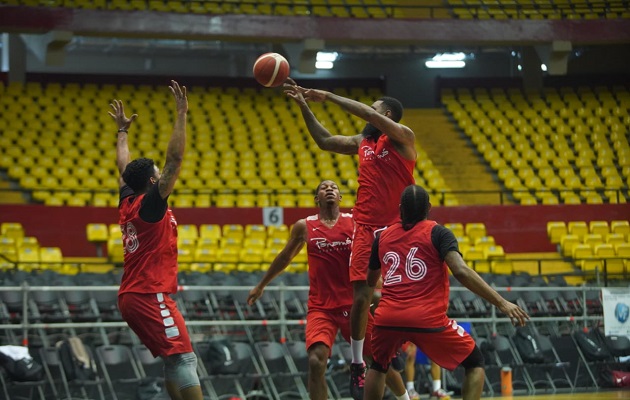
pixel 23 370
pixel 222 357
pixel 76 360
pixel 528 346
pixel 591 347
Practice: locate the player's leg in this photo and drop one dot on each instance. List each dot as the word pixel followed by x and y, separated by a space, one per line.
pixel 374 385
pixel 180 375
pixel 474 377
pixel 321 330
pixel 437 391
pixel 410 370
pixel 358 318
pixel 317 358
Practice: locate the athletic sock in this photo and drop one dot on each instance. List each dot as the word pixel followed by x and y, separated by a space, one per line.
pixel 410 386
pixel 357 351
pixel 437 384
pixel 404 396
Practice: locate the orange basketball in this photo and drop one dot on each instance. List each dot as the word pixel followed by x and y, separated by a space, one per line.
pixel 271 69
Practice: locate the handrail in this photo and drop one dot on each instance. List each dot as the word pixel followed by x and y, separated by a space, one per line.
pixel 25 324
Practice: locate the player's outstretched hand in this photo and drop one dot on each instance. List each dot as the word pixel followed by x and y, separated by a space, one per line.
pixel 254 295
pixel 119 115
pixel 179 92
pixel 294 91
pixel 517 315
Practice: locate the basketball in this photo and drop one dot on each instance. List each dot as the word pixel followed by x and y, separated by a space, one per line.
pixel 271 69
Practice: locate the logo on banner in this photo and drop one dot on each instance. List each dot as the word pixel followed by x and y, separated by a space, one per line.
pixel 622 311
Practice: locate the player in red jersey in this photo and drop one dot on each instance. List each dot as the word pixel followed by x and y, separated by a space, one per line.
pixel 149 232
pixel 387 156
pixel 412 258
pixel 328 239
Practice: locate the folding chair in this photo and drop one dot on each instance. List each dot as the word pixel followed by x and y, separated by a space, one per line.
pixel 119 369
pixel 281 373
pixel 55 373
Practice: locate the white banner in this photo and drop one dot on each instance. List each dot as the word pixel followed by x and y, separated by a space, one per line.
pixel 616 302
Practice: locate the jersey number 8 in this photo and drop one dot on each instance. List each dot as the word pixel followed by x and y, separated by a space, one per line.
pixel 130 237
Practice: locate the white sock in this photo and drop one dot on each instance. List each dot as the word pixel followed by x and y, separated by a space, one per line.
pixel 404 396
pixel 437 385
pixel 410 386
pixel 357 351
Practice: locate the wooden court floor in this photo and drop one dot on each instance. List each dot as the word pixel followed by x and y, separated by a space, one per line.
pixel 601 395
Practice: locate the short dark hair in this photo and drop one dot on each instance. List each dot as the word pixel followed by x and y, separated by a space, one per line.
pixel 137 174
pixel 394 106
pixel 414 206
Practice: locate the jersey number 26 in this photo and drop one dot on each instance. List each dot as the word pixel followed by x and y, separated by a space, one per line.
pixel 415 268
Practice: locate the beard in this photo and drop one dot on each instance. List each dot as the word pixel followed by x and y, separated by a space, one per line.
pixel 371 132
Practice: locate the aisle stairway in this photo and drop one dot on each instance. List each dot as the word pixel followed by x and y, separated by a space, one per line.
pixel 461 168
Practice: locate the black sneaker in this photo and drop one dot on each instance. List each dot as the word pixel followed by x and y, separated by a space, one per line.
pixel 357 380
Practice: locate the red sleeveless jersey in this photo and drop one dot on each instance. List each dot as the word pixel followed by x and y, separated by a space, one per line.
pixel 383 175
pixel 150 250
pixel 329 262
pixel 415 279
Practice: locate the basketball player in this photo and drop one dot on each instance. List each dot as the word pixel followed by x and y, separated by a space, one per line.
pixel 328 239
pixel 387 156
pixel 410 374
pixel 149 234
pixel 412 258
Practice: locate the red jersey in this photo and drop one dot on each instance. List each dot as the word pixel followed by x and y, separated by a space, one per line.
pixel 329 262
pixel 383 175
pixel 150 250
pixel 415 279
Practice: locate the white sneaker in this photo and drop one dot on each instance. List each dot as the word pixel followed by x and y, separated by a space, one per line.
pixel 442 394
pixel 413 395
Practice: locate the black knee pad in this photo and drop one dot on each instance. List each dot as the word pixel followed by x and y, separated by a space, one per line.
pixel 474 359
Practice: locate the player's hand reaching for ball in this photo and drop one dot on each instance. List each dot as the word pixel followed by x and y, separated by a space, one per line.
pixel 179 92
pixel 517 315
pixel 292 90
pixel 254 295
pixel 119 115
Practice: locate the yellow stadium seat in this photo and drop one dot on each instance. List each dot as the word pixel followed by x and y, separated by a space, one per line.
pixel 233 231
pixel 28 257
pixel 592 239
pixel 210 231
pixel 115 249
pixel 555 231
pixel 50 257
pixel 278 232
pixel 567 242
pixel 255 231
pixel 615 238
pixel 114 231
pixel 270 254
pixel 455 227
pixel 612 264
pixel 12 229
pixel 484 242
pixel 251 255
pixel 622 227
pixel 225 267
pixel 187 231
pixel 254 243
pixel 501 266
pixel 578 228
pixel 206 255
pixel 97 233
pixel 475 230
pixel 599 227
pixel 228 254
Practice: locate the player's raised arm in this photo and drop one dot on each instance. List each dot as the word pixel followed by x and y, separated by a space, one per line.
pixel 295 243
pixel 123 157
pixel 477 285
pixel 177 143
pixel 324 139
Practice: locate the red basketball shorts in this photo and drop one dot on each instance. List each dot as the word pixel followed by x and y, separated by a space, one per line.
pixel 156 320
pixel 447 348
pixel 322 327
pixel 361 251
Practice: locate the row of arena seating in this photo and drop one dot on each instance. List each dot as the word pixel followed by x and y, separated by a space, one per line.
pixel 562 146
pixel 462 9
pixel 596 245
pixel 246 147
